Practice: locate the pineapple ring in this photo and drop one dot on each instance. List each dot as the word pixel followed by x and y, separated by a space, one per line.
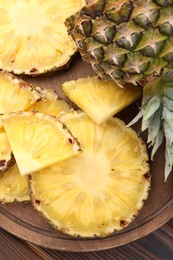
pixel 13 186
pixel 38 140
pixel 15 94
pixel 50 103
pixel 6 156
pixel 33 37
pixel 101 189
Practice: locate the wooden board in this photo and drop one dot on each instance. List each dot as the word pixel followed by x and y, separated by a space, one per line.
pixel 22 221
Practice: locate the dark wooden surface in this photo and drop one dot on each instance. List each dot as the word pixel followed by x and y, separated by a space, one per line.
pixel 157 245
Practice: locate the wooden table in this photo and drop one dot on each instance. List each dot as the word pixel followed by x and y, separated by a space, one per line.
pixel 158 245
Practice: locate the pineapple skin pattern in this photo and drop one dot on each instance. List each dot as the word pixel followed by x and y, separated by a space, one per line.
pixel 127 41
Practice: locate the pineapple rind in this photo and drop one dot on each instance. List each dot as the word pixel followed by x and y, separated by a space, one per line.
pixel 13 186
pixel 38 140
pixel 92 195
pixel 100 99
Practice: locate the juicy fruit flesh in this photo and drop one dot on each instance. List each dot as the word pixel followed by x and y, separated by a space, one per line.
pixel 5 151
pixel 15 94
pixel 50 103
pixel 99 190
pixel 38 140
pixel 33 35
pixel 100 99
pixel 13 186
pixel 125 40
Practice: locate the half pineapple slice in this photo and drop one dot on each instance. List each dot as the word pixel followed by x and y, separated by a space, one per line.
pixel 50 103
pixel 100 99
pixel 102 188
pixel 6 157
pixel 13 186
pixel 38 140
pixel 33 36
pixel 15 94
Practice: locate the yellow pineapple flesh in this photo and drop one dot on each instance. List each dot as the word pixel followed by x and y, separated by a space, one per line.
pixel 100 190
pixel 13 186
pixel 6 157
pixel 15 94
pixel 33 36
pixel 98 98
pixel 38 140
pixel 50 103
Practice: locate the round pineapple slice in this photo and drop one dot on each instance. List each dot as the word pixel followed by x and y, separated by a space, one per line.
pixel 100 99
pixel 15 94
pixel 6 156
pixel 38 140
pixel 100 190
pixel 33 37
pixel 13 186
pixel 50 103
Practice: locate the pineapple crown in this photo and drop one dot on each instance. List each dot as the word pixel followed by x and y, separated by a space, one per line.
pixel 157 116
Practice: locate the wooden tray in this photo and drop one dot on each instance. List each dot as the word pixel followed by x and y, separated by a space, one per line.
pixel 22 221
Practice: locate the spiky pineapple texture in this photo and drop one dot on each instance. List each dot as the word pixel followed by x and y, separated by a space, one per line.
pixel 125 40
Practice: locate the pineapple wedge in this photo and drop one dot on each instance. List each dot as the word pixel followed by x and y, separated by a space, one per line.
pixel 34 39
pixel 102 188
pixel 50 103
pixel 15 94
pixel 6 156
pixel 100 99
pixel 38 140
pixel 13 186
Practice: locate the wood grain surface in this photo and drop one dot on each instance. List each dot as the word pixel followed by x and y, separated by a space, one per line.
pixel 22 221
pixel 158 245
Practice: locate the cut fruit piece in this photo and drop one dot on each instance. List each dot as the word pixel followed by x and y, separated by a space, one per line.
pixel 100 99
pixel 101 189
pixel 38 140
pixel 34 38
pixel 13 186
pixel 15 94
pixel 50 103
pixel 6 156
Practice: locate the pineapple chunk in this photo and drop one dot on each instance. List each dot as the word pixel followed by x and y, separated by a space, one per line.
pixel 101 189
pixel 13 186
pixel 34 39
pixel 6 157
pixel 100 99
pixel 38 140
pixel 50 103
pixel 15 94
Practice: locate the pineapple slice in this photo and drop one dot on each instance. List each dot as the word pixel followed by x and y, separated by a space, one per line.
pixel 6 156
pixel 33 37
pixel 15 94
pixel 13 186
pixel 102 188
pixel 50 103
pixel 38 140
pixel 100 99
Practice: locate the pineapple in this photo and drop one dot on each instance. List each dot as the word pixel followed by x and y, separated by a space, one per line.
pixel 13 186
pixel 100 99
pixel 6 156
pixel 38 140
pixel 50 103
pixel 102 188
pixel 15 94
pixel 132 42
pixel 33 36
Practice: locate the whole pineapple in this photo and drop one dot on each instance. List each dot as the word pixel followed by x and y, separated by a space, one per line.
pixel 132 41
